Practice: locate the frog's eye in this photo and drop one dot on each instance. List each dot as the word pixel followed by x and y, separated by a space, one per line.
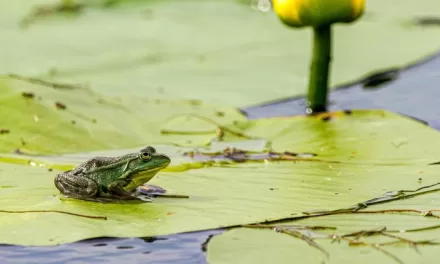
pixel 145 156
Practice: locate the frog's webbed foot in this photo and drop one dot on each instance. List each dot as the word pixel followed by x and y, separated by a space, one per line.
pixel 147 192
pixel 77 187
pixel 151 190
pixel 144 198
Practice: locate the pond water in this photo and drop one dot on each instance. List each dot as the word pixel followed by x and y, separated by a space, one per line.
pixel 181 248
pixel 415 93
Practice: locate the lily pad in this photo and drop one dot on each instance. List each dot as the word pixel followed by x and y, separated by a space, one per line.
pixel 188 49
pixel 393 237
pixel 35 122
pixel 235 193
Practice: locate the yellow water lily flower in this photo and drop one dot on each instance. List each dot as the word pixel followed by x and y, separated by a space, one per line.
pixel 315 13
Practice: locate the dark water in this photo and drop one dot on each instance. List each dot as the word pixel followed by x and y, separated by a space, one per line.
pixel 415 92
pixel 181 248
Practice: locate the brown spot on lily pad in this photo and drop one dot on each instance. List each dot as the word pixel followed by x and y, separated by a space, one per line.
pixel 326 118
pixel 28 95
pixel 220 114
pixel 60 106
pixel 195 102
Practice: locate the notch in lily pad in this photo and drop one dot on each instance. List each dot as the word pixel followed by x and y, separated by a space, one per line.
pixel 320 15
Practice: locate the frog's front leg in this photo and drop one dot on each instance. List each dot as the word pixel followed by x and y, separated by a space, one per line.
pixel 76 187
pixel 118 192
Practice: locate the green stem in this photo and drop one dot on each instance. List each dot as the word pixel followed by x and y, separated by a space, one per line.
pixel 319 70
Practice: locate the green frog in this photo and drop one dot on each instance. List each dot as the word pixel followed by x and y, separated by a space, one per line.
pixel 105 179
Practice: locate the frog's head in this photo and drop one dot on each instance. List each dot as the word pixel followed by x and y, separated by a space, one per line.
pixel 143 168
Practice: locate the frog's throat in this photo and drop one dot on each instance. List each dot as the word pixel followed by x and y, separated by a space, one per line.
pixel 140 177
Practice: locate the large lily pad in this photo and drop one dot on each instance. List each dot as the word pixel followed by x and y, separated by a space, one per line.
pixel 414 220
pixel 189 49
pixel 94 122
pixel 418 235
pixel 238 193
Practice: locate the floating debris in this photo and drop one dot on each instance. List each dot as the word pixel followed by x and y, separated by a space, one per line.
pixel 45 83
pixel 240 156
pixel 377 79
pixel 427 21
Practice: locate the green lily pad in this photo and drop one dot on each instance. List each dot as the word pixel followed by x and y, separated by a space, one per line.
pixel 189 49
pixel 35 122
pixel 370 137
pixel 407 237
pixel 234 193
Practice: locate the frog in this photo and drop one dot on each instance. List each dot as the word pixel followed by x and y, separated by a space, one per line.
pixel 107 179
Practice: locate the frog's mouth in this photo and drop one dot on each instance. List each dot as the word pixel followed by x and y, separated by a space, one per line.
pixel 140 172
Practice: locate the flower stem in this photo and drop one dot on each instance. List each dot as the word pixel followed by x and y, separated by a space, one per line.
pixel 319 70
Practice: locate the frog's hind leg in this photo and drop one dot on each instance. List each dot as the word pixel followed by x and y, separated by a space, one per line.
pixel 77 187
